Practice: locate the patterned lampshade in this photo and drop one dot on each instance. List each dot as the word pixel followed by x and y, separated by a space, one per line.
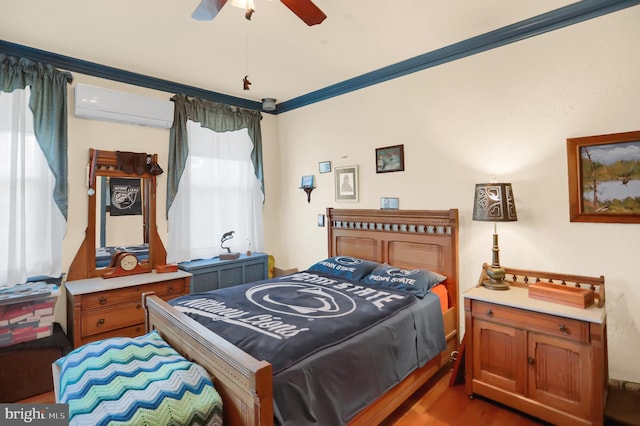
pixel 494 202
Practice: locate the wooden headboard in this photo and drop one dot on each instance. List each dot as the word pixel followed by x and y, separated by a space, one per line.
pixel 408 239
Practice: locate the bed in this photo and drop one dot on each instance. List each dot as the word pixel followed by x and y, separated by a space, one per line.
pixel 419 239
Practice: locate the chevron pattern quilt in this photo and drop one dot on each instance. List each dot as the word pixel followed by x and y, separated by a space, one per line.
pixel 136 381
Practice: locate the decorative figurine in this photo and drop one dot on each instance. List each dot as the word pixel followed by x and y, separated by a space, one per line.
pixel 228 255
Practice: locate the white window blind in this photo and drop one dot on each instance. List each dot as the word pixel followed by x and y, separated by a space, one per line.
pixel 31 224
pixel 218 192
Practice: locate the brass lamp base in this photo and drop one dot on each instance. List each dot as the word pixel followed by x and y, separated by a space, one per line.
pixel 496 279
pixel 496 285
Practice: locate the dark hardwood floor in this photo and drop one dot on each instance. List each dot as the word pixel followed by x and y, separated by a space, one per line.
pixel 436 403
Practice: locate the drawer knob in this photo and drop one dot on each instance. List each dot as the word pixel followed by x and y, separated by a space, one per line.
pixel 102 300
pixel 100 322
pixel 489 312
pixel 170 288
pixel 531 361
pixel 138 306
pixel 563 328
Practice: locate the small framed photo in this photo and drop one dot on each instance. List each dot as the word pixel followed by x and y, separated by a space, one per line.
pixel 324 166
pixel 321 220
pixel 307 182
pixel 389 203
pixel 390 159
pixel 346 180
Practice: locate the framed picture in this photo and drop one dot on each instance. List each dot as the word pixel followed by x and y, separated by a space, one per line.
pixel 389 203
pixel 390 159
pixel 346 183
pixel 324 166
pixel 306 182
pixel 604 178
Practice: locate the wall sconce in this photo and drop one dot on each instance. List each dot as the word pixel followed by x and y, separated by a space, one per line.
pixel 307 186
pixel 493 202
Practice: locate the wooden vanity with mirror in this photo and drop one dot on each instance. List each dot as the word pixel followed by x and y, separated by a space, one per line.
pixel 98 307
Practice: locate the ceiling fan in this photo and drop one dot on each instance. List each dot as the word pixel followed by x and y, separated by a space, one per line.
pixel 304 9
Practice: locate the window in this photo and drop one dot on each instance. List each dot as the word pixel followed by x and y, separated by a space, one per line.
pixel 31 224
pixel 218 192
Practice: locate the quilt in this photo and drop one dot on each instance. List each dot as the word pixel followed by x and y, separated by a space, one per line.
pixel 286 319
pixel 136 381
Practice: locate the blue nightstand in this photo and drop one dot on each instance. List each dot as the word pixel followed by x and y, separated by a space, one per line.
pixel 212 274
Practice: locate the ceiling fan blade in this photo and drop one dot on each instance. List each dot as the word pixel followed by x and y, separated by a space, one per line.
pixel 306 10
pixel 207 9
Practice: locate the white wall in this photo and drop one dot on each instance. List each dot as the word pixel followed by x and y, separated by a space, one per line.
pixel 506 112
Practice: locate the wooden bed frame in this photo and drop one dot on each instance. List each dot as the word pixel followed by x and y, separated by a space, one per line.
pixel 426 239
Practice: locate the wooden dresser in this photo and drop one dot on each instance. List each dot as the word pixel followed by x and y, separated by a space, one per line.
pixel 539 357
pixel 99 308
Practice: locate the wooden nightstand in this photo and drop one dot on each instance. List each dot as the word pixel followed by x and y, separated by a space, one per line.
pixel 99 308
pixel 542 358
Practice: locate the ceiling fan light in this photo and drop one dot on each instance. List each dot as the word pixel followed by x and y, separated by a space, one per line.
pixel 243 4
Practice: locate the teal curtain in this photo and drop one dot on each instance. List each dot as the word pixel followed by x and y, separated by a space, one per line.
pixel 48 103
pixel 217 117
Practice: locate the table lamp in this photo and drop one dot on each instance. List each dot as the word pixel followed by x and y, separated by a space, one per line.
pixel 493 202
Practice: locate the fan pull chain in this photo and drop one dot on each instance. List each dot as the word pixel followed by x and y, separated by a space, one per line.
pixel 245 81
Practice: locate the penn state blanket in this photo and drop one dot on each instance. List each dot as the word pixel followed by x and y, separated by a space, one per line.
pixel 286 319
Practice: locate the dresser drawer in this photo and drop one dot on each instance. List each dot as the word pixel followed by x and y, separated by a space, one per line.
pixel 103 299
pixel 550 324
pixel 132 331
pixel 107 319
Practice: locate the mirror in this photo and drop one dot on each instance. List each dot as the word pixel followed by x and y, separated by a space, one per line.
pixel 107 231
pixel 121 224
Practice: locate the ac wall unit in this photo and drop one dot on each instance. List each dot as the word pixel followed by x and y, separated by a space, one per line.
pixel 99 103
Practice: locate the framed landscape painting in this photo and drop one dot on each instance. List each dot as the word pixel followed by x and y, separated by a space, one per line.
pixel 604 178
pixel 390 159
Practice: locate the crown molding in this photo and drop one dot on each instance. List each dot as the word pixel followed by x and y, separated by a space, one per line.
pixel 550 21
pixel 68 63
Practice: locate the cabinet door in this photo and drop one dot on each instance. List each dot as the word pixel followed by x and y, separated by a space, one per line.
pixel 204 281
pixel 499 356
pixel 560 373
pixel 231 276
pixel 255 272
